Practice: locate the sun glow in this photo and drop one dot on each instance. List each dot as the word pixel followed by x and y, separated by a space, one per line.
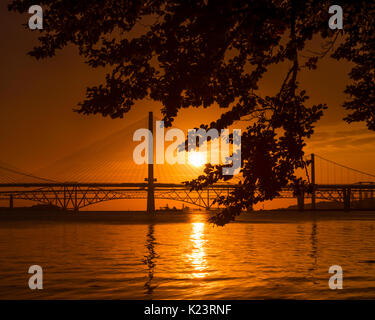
pixel 197 159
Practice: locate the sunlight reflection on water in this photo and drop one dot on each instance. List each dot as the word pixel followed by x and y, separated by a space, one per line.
pixel 197 255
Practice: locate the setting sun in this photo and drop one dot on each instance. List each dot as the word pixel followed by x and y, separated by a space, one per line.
pixel 196 159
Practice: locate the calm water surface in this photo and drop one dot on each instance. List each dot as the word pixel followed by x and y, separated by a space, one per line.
pixel 187 260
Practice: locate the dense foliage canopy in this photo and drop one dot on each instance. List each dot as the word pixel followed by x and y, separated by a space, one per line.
pixel 197 53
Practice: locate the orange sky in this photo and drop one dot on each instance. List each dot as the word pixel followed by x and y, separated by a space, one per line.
pixel 38 126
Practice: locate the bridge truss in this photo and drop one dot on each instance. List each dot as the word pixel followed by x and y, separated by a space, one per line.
pixel 75 196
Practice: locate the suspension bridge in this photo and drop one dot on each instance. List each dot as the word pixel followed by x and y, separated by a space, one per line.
pixel 96 179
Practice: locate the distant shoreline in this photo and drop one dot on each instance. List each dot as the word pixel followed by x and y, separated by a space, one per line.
pixel 142 217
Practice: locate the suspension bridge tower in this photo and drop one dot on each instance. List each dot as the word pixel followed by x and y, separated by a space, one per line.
pixel 150 179
pixel 313 195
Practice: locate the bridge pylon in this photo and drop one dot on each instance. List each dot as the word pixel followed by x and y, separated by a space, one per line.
pixel 313 195
pixel 150 179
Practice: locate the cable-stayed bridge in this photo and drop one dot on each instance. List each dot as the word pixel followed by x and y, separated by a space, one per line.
pixel 99 172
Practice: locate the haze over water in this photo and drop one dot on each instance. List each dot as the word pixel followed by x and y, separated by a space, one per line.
pixel 188 260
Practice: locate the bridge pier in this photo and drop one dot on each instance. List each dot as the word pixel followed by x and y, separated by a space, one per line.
pixel 301 201
pixel 11 201
pixel 76 205
pixel 64 199
pixel 346 197
pixel 208 199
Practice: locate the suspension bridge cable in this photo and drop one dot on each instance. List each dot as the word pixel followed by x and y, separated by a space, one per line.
pixel 26 174
pixel 348 168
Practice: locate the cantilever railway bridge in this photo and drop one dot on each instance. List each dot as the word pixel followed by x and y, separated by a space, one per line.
pixel 74 196
pixel 332 182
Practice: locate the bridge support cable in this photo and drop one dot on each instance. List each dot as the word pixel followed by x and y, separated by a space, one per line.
pixel 331 172
pixel 11 174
